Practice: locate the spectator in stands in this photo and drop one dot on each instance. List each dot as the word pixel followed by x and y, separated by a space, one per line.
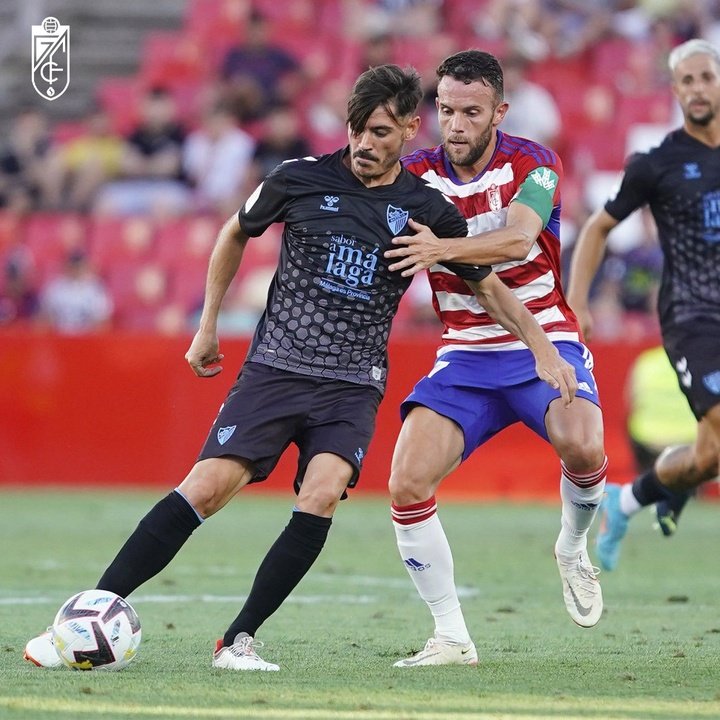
pixel 151 165
pixel 535 113
pixel 18 296
pixel 217 160
pixel 327 117
pixel 76 301
pixel 22 161
pixel 259 74
pixel 403 17
pixel 280 140
pixel 78 168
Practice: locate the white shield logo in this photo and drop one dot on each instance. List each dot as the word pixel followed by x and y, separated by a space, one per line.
pixel 396 219
pixel 50 58
pixel 224 434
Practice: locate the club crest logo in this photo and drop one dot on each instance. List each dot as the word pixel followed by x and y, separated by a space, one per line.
pixel 50 58
pixel 225 433
pixel 396 219
pixel 494 198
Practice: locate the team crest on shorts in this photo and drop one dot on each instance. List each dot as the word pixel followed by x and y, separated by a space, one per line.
pixel 225 433
pixel 712 382
pixel 396 218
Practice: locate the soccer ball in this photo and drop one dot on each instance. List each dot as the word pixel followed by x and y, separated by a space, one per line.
pixel 96 630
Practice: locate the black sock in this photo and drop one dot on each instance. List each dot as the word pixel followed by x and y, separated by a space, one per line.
pixel 155 542
pixel 285 564
pixel 648 489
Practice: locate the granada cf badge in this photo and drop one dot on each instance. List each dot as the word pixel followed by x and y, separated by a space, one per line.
pixel 50 58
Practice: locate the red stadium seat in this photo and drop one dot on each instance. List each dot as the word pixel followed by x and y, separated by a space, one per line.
pixel 51 236
pixel 120 98
pixel 171 59
pixel 122 242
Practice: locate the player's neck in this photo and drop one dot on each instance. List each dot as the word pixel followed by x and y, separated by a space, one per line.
pixel 466 173
pixel 708 135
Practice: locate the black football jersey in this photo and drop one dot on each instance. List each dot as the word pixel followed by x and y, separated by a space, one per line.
pixel 680 181
pixel 332 299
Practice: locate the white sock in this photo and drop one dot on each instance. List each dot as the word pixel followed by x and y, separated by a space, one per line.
pixel 628 502
pixel 581 496
pixel 428 559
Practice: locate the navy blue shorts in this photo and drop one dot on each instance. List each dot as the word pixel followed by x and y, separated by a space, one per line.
pixel 485 391
pixel 694 351
pixel 267 409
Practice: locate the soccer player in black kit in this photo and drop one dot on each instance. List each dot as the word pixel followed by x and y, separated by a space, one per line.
pixel 680 181
pixel 316 369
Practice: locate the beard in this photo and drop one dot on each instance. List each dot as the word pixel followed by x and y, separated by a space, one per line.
pixel 702 120
pixel 470 153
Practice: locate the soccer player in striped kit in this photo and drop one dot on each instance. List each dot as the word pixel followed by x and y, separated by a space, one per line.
pixel 484 379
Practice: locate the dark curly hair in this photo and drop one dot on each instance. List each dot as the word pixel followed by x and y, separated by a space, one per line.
pixel 472 65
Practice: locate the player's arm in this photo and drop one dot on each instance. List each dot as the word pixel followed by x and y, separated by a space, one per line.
pixel 204 352
pixel 586 258
pixel 511 242
pixel 509 312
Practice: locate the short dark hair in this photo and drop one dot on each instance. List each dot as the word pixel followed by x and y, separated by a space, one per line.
pixel 398 91
pixel 472 65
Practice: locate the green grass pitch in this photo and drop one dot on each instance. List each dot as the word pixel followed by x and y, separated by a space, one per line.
pixel 654 655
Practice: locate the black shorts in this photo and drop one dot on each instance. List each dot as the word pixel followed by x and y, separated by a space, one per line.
pixel 267 409
pixel 694 351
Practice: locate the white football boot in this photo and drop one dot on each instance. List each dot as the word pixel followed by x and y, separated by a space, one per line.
pixel 41 651
pixel 437 652
pixel 240 655
pixel 581 589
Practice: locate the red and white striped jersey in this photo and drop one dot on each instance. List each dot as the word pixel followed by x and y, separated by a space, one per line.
pixel 484 202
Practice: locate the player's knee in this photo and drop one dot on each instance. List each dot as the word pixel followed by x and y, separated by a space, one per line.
pixel 204 494
pixel 582 454
pixel 318 499
pixel 210 485
pixel 408 488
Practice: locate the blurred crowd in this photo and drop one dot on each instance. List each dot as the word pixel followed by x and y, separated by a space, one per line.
pixel 107 222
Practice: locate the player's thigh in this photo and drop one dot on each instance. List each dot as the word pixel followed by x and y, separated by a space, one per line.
pixel 340 424
pixel 429 447
pixel 324 481
pixel 260 416
pixel 212 483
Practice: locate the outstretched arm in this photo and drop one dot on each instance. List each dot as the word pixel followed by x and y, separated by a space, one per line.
pixel 509 312
pixel 586 258
pixel 511 242
pixel 204 352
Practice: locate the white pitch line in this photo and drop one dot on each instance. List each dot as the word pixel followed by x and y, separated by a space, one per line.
pixel 56 706
pixel 235 599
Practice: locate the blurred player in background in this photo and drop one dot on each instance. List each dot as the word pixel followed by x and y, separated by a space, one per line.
pixel 316 369
pixel 680 181
pixel 484 379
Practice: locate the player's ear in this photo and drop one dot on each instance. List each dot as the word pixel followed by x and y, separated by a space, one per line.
pixel 499 114
pixel 411 129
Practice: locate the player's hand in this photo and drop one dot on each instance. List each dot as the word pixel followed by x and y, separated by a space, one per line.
pixel 204 354
pixel 416 252
pixel 558 374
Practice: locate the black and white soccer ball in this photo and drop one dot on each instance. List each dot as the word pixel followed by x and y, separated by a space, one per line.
pixel 96 630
